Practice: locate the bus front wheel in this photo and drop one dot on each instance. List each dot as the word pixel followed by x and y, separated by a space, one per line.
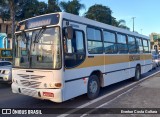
pixel 93 87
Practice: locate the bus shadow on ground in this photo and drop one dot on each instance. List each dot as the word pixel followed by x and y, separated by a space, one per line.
pixel 4 85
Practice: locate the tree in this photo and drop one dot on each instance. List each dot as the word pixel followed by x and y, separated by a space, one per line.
pixel 73 6
pixel 100 13
pixel 12 6
pixel 53 6
pixel 122 24
pixel 29 10
pixel 4 11
pixel 114 22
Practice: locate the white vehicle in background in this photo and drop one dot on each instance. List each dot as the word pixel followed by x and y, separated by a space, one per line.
pixel 155 59
pixel 5 71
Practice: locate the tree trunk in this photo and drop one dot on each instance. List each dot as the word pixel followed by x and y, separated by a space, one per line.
pixel 12 13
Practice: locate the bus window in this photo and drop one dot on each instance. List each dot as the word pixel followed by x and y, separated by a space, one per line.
pixel 94 41
pixel 131 45
pixel 149 45
pixel 76 50
pixel 122 43
pixel 145 46
pixel 110 46
pixel 139 45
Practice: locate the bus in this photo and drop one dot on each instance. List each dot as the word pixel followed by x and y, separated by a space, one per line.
pixel 60 56
pixel 6 54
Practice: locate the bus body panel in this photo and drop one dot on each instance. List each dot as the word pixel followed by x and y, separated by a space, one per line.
pixel 113 67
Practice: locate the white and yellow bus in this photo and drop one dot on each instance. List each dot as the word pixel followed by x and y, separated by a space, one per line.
pixel 60 56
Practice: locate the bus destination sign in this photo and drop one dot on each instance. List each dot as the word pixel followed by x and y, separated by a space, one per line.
pixel 45 20
pixel 39 23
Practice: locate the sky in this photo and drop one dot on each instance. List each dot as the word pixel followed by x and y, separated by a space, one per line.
pixel 146 13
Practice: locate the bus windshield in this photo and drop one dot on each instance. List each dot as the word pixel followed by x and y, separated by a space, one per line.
pixel 38 51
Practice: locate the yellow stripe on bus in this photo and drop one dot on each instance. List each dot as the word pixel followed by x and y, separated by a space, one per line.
pixel 111 59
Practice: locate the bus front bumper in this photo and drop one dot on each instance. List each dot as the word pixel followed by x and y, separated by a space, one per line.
pixel 54 95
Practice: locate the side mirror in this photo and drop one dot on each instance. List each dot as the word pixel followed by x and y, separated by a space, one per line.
pixel 69 32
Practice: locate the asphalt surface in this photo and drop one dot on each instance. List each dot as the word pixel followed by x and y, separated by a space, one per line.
pixel 144 95
pixel 143 100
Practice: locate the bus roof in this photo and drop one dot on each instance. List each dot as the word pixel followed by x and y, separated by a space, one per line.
pixel 99 24
pixel 83 20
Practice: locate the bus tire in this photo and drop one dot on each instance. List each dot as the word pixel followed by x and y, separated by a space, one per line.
pixel 137 74
pixel 93 87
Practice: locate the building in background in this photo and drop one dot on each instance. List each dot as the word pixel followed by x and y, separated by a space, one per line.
pixel 5 30
pixel 3 40
pixel 155 41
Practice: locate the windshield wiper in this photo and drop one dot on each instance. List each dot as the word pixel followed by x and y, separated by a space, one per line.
pixel 24 37
pixel 39 35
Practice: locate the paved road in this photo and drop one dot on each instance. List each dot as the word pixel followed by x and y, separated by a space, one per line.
pixel 10 100
pixel 142 98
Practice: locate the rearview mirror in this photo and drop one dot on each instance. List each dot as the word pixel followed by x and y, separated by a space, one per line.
pixel 69 32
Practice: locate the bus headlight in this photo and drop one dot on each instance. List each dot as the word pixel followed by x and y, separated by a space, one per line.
pixel 5 78
pixel 51 85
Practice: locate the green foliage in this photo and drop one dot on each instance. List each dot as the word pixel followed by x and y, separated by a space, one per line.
pixel 53 6
pixel 122 24
pixel 30 8
pixel 104 14
pixel 100 13
pixel 4 10
pixel 73 6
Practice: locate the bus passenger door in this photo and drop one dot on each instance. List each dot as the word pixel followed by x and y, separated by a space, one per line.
pixel 74 57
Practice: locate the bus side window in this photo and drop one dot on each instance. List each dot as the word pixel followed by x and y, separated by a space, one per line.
pixel 74 49
pixel 94 39
pixel 110 46
pixel 122 43
pixel 139 45
pixel 145 46
pixel 132 44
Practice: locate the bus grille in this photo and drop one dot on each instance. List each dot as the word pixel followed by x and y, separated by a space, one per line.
pixel 30 84
pixel 29 92
pixel 34 77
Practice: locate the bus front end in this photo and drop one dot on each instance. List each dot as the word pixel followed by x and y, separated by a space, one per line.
pixel 37 61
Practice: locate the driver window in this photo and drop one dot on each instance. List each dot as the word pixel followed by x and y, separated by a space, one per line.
pixel 74 50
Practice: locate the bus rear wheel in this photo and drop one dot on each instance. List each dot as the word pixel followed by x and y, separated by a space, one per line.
pixel 137 74
pixel 93 87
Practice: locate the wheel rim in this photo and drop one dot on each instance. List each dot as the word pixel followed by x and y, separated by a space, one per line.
pixel 93 87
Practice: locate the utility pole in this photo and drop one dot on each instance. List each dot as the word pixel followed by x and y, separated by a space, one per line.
pixel 133 22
